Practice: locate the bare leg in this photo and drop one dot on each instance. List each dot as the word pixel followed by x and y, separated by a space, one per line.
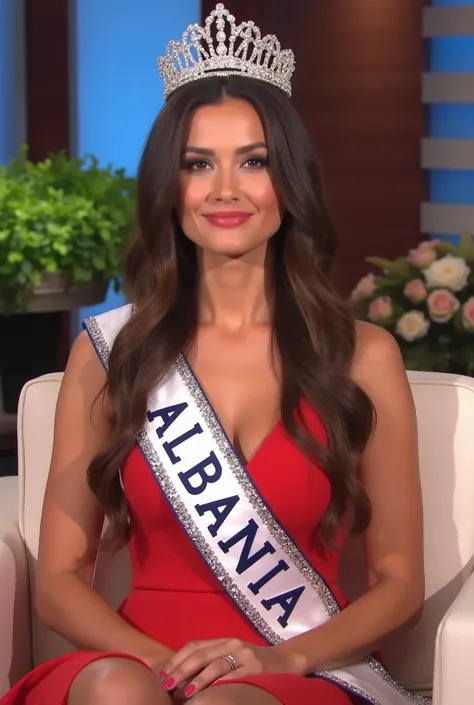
pixel 249 694
pixel 234 694
pixel 119 681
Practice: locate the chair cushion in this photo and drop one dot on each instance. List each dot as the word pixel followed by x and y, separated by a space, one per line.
pixel 445 409
pixel 445 413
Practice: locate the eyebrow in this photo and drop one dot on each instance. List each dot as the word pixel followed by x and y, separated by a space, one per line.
pixel 210 152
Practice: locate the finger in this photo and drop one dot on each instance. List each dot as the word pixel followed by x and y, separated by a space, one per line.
pixel 177 696
pixel 241 672
pixel 212 673
pixel 180 656
pixel 200 659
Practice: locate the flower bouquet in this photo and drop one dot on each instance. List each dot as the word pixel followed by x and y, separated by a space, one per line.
pixel 426 300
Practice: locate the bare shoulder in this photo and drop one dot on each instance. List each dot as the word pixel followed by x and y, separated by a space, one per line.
pixel 83 382
pixel 83 349
pixel 84 361
pixel 374 345
pixel 377 363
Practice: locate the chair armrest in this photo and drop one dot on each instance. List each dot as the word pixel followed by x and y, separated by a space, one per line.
pixel 15 630
pixel 454 659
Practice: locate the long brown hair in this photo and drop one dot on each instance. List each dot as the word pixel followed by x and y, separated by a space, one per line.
pixel 314 330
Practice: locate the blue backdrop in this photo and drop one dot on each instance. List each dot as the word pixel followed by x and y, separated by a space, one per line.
pixel 11 79
pixel 451 54
pixel 117 88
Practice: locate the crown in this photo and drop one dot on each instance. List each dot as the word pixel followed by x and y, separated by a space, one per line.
pixel 240 51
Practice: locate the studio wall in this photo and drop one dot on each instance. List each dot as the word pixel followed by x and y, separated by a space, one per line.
pixel 116 91
pixel 448 91
pixel 12 78
pixel 357 87
pixel 93 86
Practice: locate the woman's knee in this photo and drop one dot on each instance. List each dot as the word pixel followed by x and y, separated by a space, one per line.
pixel 234 694
pixel 118 681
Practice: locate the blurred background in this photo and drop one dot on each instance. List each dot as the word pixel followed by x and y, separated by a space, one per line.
pixel 385 88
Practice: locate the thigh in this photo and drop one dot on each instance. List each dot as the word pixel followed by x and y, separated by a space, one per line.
pixel 275 689
pixel 235 694
pixel 120 681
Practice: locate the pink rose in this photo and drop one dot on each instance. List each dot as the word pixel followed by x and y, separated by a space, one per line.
pixel 428 244
pixel 415 290
pixel 422 257
pixel 442 305
pixel 364 288
pixel 380 309
pixel 468 314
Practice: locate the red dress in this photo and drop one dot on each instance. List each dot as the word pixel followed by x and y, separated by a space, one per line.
pixel 175 598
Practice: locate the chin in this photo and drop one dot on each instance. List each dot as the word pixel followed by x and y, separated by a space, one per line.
pixel 230 252
pixel 225 247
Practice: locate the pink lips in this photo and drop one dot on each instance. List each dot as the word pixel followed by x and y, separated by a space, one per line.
pixel 228 219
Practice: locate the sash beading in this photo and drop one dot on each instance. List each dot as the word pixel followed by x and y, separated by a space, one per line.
pixel 226 518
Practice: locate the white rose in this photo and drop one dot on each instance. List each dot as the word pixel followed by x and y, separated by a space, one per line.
pixel 448 272
pixel 412 325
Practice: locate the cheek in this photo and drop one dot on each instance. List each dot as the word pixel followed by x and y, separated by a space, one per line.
pixel 192 195
pixel 263 193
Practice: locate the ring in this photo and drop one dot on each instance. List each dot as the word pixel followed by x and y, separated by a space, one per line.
pixel 231 661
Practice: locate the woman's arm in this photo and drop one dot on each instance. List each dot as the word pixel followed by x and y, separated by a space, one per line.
pixel 394 544
pixel 72 521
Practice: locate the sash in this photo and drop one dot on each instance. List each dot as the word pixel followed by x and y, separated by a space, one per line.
pixel 226 518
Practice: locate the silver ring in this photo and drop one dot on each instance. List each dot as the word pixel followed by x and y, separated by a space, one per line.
pixel 231 661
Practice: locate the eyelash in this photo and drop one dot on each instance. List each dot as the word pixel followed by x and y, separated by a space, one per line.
pixel 191 164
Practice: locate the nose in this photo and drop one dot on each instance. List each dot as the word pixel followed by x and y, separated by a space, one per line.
pixel 225 187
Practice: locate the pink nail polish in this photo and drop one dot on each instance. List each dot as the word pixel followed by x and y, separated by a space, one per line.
pixel 169 683
pixel 162 674
pixel 190 690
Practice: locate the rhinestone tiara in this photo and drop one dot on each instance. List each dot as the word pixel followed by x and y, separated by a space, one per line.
pixel 240 51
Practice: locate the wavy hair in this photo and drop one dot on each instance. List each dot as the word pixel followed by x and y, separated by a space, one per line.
pixel 313 328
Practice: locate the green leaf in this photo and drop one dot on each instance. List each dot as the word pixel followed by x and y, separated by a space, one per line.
pixel 446 248
pixel 99 263
pixel 466 247
pixel 380 262
pixel 61 214
pixel 14 257
pixel 399 268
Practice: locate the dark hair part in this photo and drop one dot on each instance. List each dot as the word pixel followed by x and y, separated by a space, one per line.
pixel 314 330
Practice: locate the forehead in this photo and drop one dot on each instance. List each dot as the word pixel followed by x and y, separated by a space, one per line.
pixel 229 124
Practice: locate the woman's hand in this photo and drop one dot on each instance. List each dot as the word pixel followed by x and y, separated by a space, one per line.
pixel 157 657
pixel 201 663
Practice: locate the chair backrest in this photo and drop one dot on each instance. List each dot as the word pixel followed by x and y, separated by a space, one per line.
pixel 36 411
pixel 445 409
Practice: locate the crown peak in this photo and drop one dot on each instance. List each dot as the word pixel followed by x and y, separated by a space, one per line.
pixel 240 50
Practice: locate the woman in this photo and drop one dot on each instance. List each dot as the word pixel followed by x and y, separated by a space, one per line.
pixel 236 409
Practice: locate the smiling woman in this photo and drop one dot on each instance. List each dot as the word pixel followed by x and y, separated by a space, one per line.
pixel 226 182
pixel 228 422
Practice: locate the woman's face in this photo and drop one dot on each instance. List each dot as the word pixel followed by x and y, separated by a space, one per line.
pixel 227 200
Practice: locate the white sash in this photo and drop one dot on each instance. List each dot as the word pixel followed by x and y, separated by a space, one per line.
pixel 228 521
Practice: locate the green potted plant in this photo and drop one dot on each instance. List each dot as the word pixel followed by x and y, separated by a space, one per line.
pixel 426 300
pixel 63 227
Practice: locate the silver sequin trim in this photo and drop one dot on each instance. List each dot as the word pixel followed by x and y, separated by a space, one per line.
pixel 328 676
pixel 284 541
pixel 98 339
pixel 200 542
pixel 179 507
pixel 287 545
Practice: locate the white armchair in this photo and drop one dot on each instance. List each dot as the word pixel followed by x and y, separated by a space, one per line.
pixel 437 655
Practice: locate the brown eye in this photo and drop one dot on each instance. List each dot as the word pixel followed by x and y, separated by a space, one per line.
pixel 200 165
pixel 195 165
pixel 256 162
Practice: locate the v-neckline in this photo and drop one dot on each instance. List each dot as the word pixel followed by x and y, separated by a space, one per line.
pixel 244 462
